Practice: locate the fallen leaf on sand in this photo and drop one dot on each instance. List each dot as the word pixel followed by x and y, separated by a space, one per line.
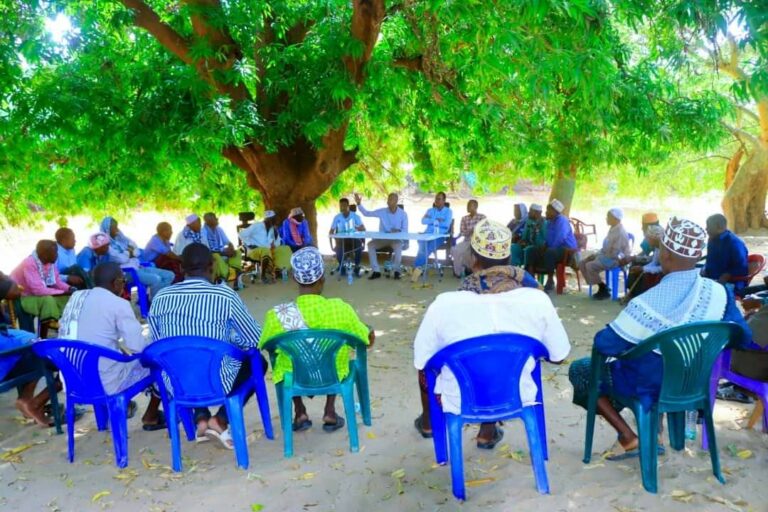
pixel 681 495
pixel 479 481
pixel 11 455
pixel 96 497
pixel 370 435
pixel 256 507
pixel 744 454
pixel 307 476
pixel 398 476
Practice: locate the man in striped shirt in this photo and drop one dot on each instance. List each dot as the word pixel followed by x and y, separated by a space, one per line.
pixel 196 307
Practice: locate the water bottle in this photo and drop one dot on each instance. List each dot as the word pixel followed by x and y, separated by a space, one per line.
pixel 350 277
pixel 690 424
pixel 387 266
pixel 285 275
pixel 357 407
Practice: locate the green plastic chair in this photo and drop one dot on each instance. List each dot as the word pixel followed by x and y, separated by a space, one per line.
pixel 313 354
pixel 688 353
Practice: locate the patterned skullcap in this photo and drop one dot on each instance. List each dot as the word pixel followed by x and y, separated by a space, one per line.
pixel 684 238
pixel 98 240
pixel 557 205
pixel 655 231
pixel 192 217
pixel 650 218
pixel 491 240
pixel 617 213
pixel 307 265
pixel 296 211
pixel 269 214
pixel 536 208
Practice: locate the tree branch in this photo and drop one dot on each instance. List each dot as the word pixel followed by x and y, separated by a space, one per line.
pixel 412 63
pixel 732 66
pixel 748 112
pixel 148 19
pixel 739 133
pixel 367 16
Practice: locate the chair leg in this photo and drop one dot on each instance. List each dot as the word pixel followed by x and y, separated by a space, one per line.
pixel 189 423
pixel 234 406
pixel 54 397
pixel 363 395
pixel 542 427
pixel 263 402
pixel 457 462
pixel 119 423
pixel 287 411
pixel 676 426
pixel 647 426
pixel 349 409
pixel 173 431
pixel 594 382
pixel 439 436
pixel 70 430
pixel 537 449
pixel 102 416
pixel 709 424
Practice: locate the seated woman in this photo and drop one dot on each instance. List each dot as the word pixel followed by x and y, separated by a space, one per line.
pixel 295 230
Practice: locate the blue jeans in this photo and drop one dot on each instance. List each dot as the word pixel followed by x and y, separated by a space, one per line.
pixel 425 249
pixel 154 278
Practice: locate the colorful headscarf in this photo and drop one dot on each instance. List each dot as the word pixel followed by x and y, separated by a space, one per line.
pixel 308 266
pixel 98 240
pixel 491 240
pixel 499 279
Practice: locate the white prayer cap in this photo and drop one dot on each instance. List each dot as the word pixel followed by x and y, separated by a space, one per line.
pixel 617 213
pixel 297 211
pixel 557 205
pixel 98 240
pixel 192 217
pixel 535 207
pixel 269 214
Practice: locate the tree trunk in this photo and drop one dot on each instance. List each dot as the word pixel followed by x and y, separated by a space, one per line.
pixel 564 187
pixel 294 176
pixel 744 201
pixel 733 166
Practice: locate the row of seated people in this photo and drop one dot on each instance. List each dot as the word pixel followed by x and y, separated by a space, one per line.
pixel 496 297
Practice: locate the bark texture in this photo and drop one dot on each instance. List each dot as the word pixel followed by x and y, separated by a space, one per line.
pixel 564 187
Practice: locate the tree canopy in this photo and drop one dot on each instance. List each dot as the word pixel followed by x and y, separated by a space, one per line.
pixel 181 104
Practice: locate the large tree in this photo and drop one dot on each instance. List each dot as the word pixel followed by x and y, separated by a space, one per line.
pixel 153 101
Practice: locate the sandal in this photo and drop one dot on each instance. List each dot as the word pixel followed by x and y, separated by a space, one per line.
pixel 498 435
pixel 224 438
pixel 732 394
pixel 302 425
pixel 417 423
pixel 159 425
pixel 333 427
pixel 79 413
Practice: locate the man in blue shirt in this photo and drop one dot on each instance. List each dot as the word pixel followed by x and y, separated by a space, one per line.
pixel 70 271
pixel 683 296
pixel 438 220
pixel 726 254
pixel 347 221
pixel 557 239
pixel 392 219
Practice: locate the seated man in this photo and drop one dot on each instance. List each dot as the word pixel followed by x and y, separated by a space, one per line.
pixel 197 307
pixel 189 235
pixel 643 273
pixel 102 317
pixel 615 248
pixel 44 294
pixel 70 272
pixel 311 310
pixel 96 252
pixel 295 230
pixel 683 296
pixel 27 403
pixel 558 238
pixel 125 252
pixel 438 220
pixel 532 238
pixel 159 252
pixel 461 252
pixel 648 220
pixel 347 221
pixel 495 298
pixel 225 256
pixel 263 242
pixel 726 254
pixel 392 219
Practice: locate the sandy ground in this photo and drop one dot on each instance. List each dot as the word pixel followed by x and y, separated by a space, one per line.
pixel 323 475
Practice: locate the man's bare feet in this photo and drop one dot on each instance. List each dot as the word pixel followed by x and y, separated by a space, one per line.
pixel 29 411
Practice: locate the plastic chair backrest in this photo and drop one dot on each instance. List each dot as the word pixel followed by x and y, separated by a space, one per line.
pixel 689 353
pixel 488 370
pixel 193 364
pixel 755 265
pixel 78 361
pixel 313 354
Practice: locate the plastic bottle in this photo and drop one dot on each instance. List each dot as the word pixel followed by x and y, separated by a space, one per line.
pixel 690 424
pixel 350 277
pixel 285 275
pixel 388 266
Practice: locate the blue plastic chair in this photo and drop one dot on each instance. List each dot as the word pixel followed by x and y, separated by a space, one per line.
pixel 78 363
pixel 313 354
pixel 141 290
pixel 33 376
pixel 689 353
pixel 488 370
pixel 192 367
pixel 612 275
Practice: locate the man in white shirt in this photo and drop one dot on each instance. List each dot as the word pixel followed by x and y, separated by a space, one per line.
pixel 392 219
pixel 100 316
pixel 263 242
pixel 496 298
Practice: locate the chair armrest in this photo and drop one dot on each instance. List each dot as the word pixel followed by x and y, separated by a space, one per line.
pixel 15 351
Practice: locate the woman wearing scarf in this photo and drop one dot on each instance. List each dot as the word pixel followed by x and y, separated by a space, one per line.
pixel 295 230
pixel 517 223
pixel 496 298
pixel 126 253
pixel 683 296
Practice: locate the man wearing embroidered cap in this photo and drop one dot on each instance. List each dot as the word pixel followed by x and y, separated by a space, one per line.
pixel 264 245
pixel 311 310
pixel 683 296
pixel 495 298
pixel 189 235
pixel 295 230
pixel 558 239
pixel 615 248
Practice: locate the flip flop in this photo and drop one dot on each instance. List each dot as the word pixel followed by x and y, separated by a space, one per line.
pixel 224 438
pixel 160 425
pixel 333 427
pixel 420 428
pixel 731 394
pixel 302 426
pixel 131 409
pixel 490 445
